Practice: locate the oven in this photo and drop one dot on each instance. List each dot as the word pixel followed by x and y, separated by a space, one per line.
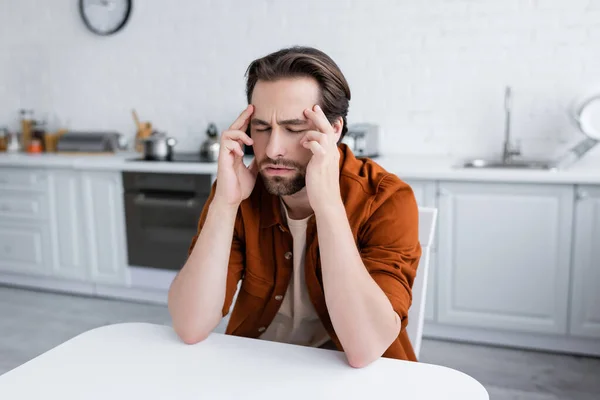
pixel 162 212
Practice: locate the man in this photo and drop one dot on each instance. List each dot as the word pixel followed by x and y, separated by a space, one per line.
pixel 325 244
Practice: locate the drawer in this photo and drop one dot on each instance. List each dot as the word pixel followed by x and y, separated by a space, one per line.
pixel 23 179
pixel 25 248
pixel 23 205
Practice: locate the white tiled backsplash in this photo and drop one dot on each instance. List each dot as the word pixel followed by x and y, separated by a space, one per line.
pixel 431 73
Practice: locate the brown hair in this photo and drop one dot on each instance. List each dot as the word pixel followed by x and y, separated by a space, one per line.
pixel 308 62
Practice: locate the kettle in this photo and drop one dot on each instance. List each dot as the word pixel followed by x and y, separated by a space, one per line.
pixel 209 150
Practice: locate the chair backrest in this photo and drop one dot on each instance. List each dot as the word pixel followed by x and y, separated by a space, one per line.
pixel 416 312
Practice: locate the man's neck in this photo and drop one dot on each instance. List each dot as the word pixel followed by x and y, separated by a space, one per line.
pixel 298 205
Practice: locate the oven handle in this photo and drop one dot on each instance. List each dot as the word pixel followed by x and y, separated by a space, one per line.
pixel 144 200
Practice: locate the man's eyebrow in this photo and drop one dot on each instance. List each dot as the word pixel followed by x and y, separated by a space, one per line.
pixel 295 121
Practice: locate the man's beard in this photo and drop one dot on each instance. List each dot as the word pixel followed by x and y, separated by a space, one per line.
pixel 284 185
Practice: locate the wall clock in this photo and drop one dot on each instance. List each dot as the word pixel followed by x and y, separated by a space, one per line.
pixel 105 17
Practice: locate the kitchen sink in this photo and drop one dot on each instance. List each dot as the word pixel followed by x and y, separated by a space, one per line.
pixel 512 164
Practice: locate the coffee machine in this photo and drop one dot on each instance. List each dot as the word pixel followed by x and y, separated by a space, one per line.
pixel 363 139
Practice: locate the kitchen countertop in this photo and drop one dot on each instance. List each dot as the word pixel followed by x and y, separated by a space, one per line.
pixel 409 167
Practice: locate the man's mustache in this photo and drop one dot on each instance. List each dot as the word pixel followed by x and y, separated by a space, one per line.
pixel 281 163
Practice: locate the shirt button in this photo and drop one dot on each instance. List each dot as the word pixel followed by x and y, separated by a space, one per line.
pixel 288 255
pixel 279 297
pixel 262 329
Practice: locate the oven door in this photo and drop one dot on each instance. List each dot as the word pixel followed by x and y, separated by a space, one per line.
pixel 160 227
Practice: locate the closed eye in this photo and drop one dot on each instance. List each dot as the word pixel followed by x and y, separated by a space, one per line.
pixel 289 130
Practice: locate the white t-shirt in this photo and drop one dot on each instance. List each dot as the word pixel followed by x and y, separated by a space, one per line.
pixel 296 321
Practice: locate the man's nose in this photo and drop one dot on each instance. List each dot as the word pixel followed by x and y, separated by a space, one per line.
pixel 275 146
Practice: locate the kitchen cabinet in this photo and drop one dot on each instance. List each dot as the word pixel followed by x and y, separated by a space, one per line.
pixel 504 256
pixel 585 303
pixel 63 223
pixel 102 197
pixel 426 196
pixel 68 229
pixel 25 240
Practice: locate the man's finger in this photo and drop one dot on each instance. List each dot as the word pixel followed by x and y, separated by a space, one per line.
pixel 314 135
pixel 315 147
pixel 242 120
pixel 319 119
pixel 234 147
pixel 238 135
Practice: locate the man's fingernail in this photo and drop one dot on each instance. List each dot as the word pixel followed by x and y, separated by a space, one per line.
pixel 317 108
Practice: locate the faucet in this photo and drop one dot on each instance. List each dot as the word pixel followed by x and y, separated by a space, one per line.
pixel 509 150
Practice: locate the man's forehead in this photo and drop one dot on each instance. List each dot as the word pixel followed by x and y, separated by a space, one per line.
pixel 285 92
pixel 284 100
pixel 284 112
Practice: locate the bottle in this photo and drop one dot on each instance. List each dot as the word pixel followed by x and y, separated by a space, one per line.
pixel 12 145
pixel 3 139
pixel 26 127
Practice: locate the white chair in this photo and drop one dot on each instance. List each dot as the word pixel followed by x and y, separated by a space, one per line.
pixel 416 312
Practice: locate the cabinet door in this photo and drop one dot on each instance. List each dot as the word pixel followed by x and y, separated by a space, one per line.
pixel 68 231
pixel 504 255
pixel 425 193
pixel 585 304
pixel 25 248
pixel 104 226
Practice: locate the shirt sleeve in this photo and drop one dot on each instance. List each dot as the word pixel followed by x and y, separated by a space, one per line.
pixel 389 243
pixel 236 257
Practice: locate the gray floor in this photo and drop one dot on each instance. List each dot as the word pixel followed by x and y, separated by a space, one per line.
pixel 33 322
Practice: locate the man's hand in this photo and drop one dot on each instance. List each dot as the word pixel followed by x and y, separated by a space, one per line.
pixel 235 180
pixel 322 172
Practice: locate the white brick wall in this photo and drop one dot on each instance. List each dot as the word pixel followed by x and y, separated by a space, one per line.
pixel 432 73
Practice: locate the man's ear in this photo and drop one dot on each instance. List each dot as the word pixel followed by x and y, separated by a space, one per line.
pixel 338 125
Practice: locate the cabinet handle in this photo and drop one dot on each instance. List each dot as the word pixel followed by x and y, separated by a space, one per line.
pixel 4 207
pixel 3 180
pixel 7 249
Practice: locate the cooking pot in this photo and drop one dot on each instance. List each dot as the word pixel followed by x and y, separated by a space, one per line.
pixel 158 146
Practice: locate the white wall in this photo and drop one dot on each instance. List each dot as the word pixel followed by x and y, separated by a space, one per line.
pixel 431 73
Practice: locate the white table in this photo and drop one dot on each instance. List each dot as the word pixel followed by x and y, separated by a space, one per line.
pixel 145 361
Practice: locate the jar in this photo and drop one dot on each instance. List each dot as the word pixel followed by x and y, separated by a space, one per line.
pixel 35 146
